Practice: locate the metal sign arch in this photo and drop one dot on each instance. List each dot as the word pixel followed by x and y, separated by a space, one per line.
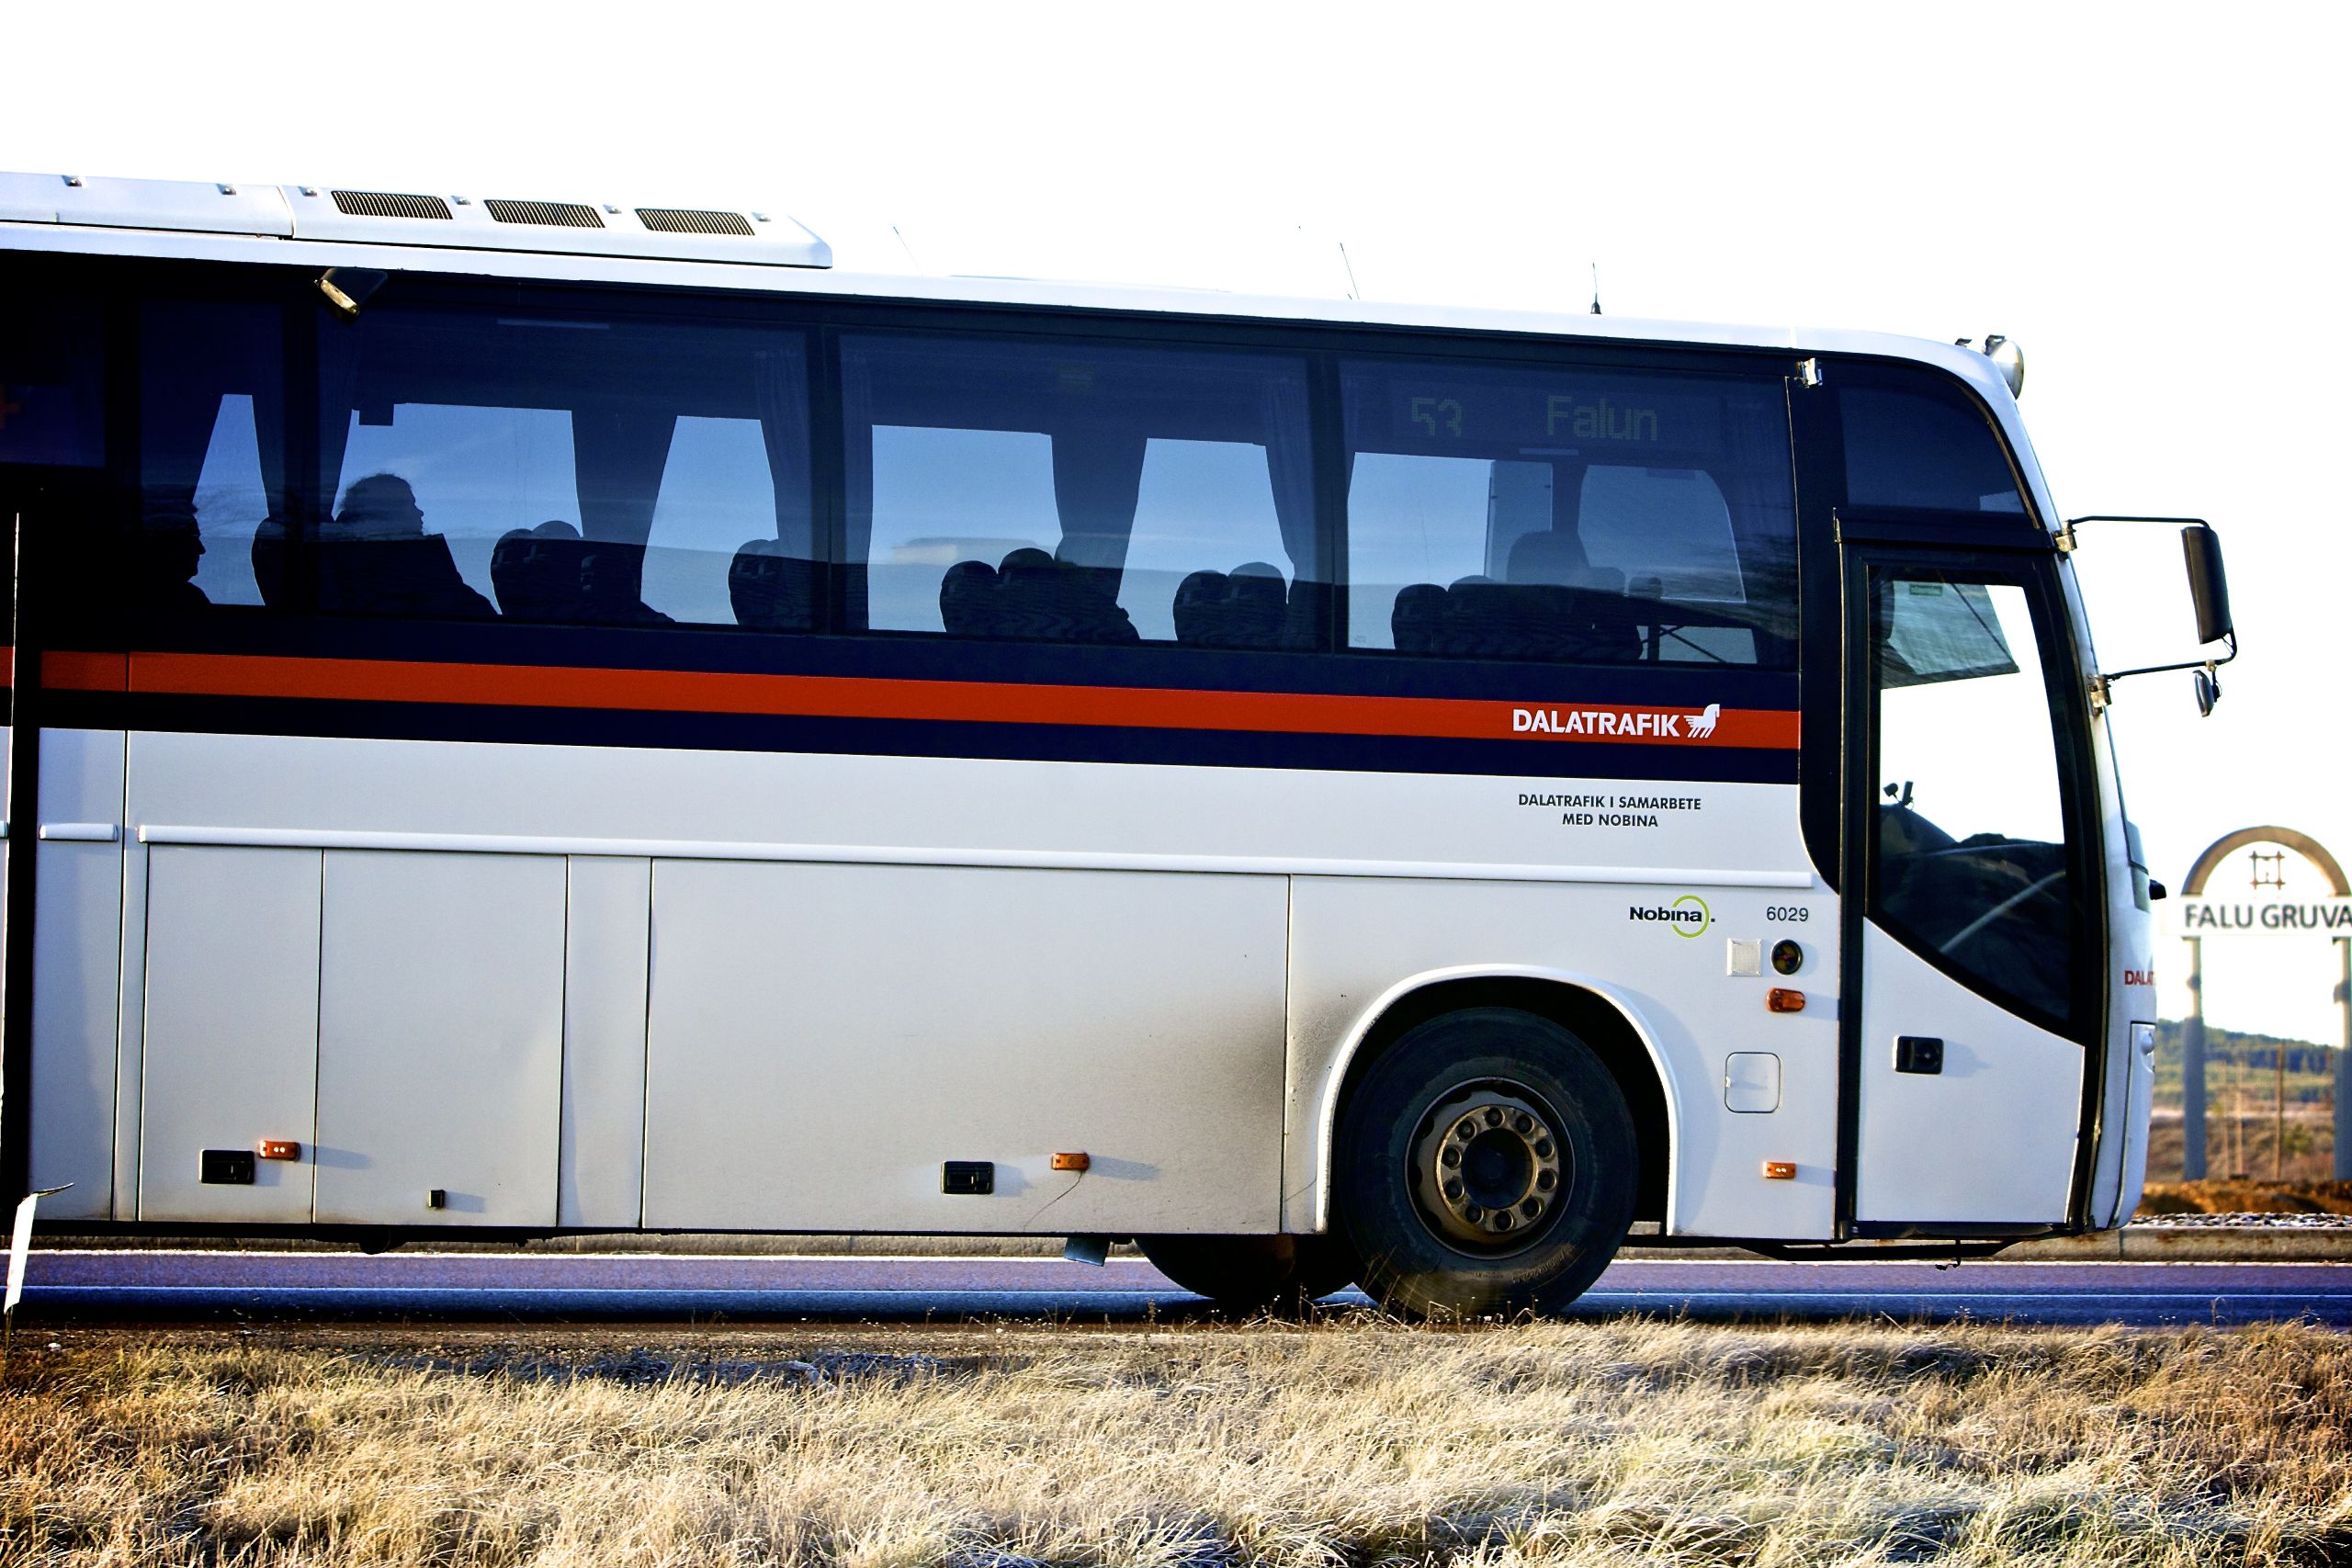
pixel 2303 845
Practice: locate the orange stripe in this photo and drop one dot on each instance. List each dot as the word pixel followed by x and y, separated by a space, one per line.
pixel 83 671
pixel 838 696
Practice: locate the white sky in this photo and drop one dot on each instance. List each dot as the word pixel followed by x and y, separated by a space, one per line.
pixel 2148 199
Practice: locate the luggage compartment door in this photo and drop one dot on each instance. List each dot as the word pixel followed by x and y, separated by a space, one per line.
pixel 440 1038
pixel 826 1039
pixel 231 1044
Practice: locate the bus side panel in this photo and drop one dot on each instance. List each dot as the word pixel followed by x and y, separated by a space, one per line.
pixel 9 1087
pixel 825 1038
pixel 599 1181
pixel 76 951
pixel 1356 941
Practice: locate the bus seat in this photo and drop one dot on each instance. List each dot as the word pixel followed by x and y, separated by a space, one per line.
pixel 967 598
pixel 1413 619
pixel 1548 556
pixel 395 577
pixel 560 577
pixel 1480 618
pixel 269 563
pixel 1031 597
pixel 1248 607
pixel 522 573
pixel 771 590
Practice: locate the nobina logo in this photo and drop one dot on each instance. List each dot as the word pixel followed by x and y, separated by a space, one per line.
pixel 1688 915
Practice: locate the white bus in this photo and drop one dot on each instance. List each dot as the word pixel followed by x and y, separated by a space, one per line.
pixel 536 717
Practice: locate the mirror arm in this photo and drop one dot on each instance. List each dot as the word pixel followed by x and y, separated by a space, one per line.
pixel 2208 665
pixel 2066 540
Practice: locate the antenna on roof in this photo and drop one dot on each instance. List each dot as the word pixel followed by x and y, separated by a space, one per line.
pixel 1596 288
pixel 906 247
pixel 1353 292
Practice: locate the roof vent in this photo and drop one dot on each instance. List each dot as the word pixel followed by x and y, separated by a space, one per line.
pixel 383 204
pixel 564 214
pixel 684 220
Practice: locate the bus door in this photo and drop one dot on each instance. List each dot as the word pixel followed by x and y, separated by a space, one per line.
pixel 1971 996
pixel 61 916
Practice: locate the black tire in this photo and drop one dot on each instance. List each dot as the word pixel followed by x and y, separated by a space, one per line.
pixel 1246 1275
pixel 1507 1098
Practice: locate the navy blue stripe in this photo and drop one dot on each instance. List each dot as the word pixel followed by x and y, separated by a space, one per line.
pixel 901 737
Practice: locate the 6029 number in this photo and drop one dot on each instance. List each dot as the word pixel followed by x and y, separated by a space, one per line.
pixel 1787 912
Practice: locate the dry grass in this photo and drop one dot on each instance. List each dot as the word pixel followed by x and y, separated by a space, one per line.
pixel 1353 1443
pixel 2226 1197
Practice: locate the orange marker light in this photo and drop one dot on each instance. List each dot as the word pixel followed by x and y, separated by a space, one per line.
pixel 278 1148
pixel 1071 1161
pixel 1780 999
pixel 1780 1170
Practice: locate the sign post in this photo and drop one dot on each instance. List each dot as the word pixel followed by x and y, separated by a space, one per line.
pixel 2192 1069
pixel 2343 1058
pixel 2199 915
pixel 20 1244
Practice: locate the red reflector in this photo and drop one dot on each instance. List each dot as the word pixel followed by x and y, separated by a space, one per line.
pixel 1780 999
pixel 278 1148
pixel 1780 1170
pixel 1071 1161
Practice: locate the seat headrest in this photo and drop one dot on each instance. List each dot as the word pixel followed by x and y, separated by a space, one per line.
pixel 1546 557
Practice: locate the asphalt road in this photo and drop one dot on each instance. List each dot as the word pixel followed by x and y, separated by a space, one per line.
pixel 69 1287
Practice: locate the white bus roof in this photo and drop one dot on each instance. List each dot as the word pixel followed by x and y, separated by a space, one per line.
pixel 748 247
pixel 746 236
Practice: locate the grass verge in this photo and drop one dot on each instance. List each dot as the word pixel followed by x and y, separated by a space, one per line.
pixel 1354 1443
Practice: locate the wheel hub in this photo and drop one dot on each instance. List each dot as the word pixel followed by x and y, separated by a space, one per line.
pixel 1487 1168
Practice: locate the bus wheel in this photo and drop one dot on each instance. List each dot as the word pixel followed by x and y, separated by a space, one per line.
pixel 1487 1164
pixel 1244 1275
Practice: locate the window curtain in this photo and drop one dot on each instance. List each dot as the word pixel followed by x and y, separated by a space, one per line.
pixel 1758 486
pixel 780 382
pixel 1098 476
pixel 617 454
pixel 1290 465
pixel 858 484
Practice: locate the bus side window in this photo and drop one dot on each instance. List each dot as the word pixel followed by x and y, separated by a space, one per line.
pixel 1081 493
pixel 553 465
pixel 212 455
pixel 53 402
pixel 1568 515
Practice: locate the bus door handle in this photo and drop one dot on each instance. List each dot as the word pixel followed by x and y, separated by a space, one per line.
pixel 81 832
pixel 1918 1054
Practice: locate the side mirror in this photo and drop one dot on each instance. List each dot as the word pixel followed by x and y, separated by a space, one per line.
pixel 2207 588
pixel 2209 691
pixel 2206 585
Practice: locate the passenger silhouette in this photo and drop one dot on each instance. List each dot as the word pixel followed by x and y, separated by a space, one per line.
pixel 382 506
pixel 170 544
pixel 376 559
